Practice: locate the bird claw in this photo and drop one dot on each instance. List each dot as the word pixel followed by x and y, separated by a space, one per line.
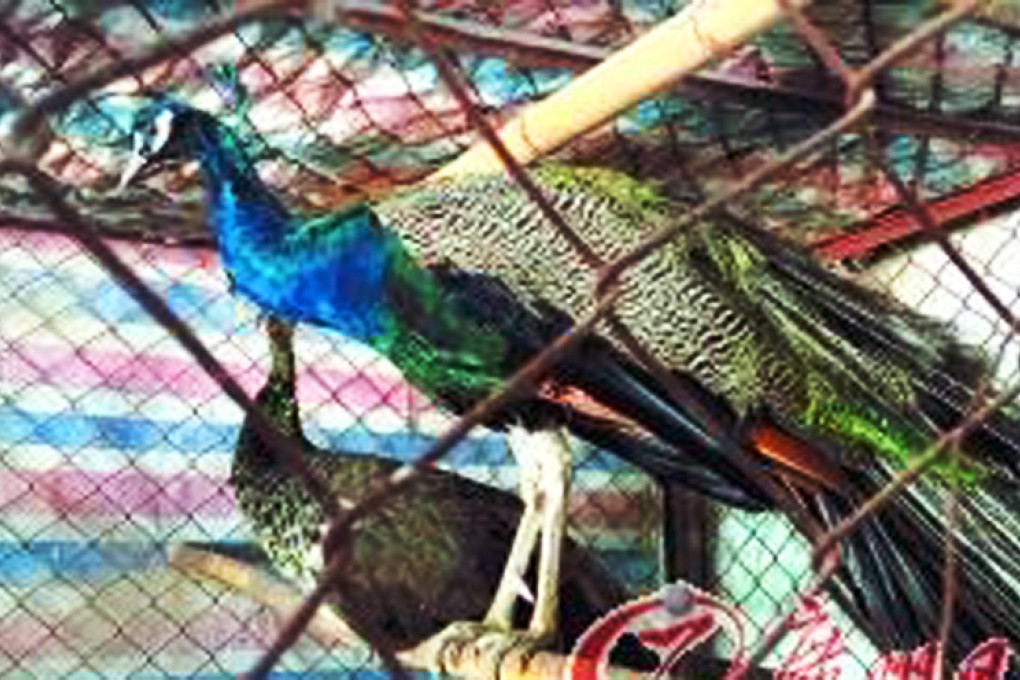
pixel 483 648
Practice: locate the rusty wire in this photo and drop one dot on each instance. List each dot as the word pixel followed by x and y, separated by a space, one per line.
pixel 860 106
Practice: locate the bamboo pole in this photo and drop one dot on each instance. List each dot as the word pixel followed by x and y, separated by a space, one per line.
pixel 703 30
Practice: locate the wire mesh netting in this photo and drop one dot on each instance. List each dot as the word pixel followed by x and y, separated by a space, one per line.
pixel 117 447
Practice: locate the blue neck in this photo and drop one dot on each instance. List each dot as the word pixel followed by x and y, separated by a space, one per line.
pixel 333 276
pixel 243 208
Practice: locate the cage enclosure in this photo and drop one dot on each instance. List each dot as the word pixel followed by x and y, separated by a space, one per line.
pixel 769 263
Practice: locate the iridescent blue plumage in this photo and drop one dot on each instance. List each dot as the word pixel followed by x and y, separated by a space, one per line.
pixel 337 282
pixel 330 272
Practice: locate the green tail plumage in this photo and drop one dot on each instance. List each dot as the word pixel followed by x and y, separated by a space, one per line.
pixel 765 329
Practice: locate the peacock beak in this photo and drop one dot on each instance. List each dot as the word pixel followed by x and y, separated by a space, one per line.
pixel 135 163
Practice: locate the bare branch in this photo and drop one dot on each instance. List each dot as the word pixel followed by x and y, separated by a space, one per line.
pixel 281 598
pixel 701 31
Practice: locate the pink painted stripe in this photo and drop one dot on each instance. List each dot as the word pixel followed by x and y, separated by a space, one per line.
pixel 39 644
pixel 29 364
pixel 49 243
pixel 81 494
pixel 129 492
pixel 234 634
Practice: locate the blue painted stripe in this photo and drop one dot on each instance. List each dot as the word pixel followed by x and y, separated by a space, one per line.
pixel 110 303
pixel 22 564
pixel 27 564
pixel 72 432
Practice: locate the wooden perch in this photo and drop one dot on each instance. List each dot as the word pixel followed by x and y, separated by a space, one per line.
pixel 469 659
pixel 280 597
pixel 703 30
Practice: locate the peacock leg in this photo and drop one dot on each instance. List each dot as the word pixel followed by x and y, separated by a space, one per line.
pixel 500 614
pixel 552 448
pixel 544 459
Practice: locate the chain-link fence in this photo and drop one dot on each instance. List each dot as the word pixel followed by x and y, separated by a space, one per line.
pixel 116 446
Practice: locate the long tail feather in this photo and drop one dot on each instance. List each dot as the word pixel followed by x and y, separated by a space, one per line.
pixel 664 462
pixel 618 384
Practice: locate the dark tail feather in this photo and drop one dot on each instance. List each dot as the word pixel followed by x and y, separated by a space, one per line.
pixel 664 462
pixel 897 557
pixel 614 381
pixel 885 597
pixel 619 385
pixel 891 581
pixel 891 578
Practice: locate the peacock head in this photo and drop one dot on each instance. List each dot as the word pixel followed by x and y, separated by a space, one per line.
pixel 160 132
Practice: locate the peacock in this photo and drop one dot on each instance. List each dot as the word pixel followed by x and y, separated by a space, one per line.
pixel 821 385
pixel 429 558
